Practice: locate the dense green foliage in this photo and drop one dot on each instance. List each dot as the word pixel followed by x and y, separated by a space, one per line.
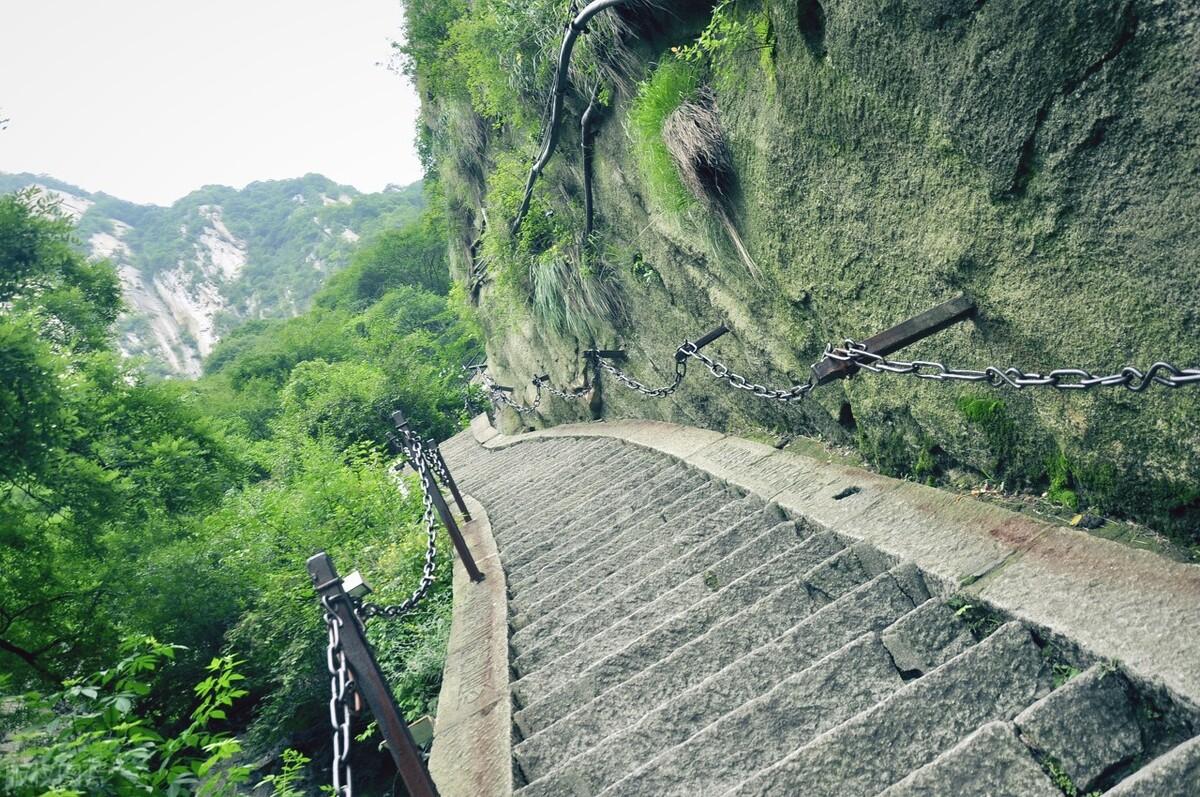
pixel 90 739
pixel 185 511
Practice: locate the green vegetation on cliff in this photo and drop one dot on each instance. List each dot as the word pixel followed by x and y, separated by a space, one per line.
pixel 885 160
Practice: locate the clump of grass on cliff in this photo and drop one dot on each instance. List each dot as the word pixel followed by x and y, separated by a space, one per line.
pixel 672 83
pixel 696 142
pixel 544 269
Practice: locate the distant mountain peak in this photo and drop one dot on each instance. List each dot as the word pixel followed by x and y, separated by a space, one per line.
pixel 219 255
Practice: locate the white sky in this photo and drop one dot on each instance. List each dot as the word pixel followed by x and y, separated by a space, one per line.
pixel 150 99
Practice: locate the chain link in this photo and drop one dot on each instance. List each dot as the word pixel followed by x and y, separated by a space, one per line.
pixel 420 460
pixel 566 395
pixel 736 380
pixel 341 689
pixel 1134 379
pixel 635 385
pixel 499 396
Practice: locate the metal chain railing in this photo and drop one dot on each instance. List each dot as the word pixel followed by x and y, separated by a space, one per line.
pixel 573 394
pixel 349 654
pixel 736 380
pixel 499 396
pixel 1060 379
pixel 421 462
pixel 341 688
pixel 636 386
pixel 855 354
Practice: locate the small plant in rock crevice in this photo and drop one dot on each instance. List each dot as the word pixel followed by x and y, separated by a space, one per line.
pixel 980 620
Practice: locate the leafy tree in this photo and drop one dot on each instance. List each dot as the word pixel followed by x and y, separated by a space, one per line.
pixel 91 739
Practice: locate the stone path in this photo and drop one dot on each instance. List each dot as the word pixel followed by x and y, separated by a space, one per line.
pixel 673 634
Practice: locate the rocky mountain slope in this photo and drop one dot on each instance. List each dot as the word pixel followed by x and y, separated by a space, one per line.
pixel 875 159
pixel 219 255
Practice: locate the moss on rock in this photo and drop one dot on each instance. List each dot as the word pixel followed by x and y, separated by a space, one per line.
pixel 1040 157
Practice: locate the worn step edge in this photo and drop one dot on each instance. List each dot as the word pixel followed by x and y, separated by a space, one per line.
pixel 873 607
pixel 684 667
pixel 574 646
pixel 472 745
pixel 929 709
pixel 1175 773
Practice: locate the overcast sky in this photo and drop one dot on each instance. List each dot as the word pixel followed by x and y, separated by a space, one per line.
pixel 150 99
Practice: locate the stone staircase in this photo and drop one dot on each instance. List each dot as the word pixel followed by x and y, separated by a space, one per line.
pixel 671 634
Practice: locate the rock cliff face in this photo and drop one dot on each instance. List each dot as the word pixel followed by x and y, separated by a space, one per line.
pixel 220 256
pixel 1039 156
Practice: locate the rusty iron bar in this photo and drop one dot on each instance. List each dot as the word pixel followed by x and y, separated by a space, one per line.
pixel 444 469
pixel 430 484
pixel 903 334
pixel 700 342
pixel 605 354
pixel 368 679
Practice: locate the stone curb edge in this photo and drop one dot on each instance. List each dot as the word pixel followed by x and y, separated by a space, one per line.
pixel 1118 603
pixel 472 743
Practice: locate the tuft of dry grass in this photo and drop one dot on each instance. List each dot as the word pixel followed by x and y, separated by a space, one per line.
pixel 696 142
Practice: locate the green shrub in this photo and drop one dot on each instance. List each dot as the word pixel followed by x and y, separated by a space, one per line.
pixel 731 31
pixel 90 738
pixel 1058 469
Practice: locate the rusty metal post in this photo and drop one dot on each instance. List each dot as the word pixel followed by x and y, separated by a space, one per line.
pixel 449 477
pixel 899 336
pixel 430 485
pixel 369 681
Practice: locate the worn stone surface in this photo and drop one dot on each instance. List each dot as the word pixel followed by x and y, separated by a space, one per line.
pixel 553 696
pixel 1086 726
pixel 834 689
pixel 992 761
pixel 669 590
pixel 869 608
pixel 993 680
pixel 1130 606
pixel 926 638
pixel 780 657
pixel 1174 774
pixel 708 598
pixel 472 751
pixel 1122 604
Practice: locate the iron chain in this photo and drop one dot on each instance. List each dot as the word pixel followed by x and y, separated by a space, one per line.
pixel 736 380
pixel 420 459
pixel 499 396
pixel 1134 379
pixel 566 395
pixel 341 691
pixel 1161 373
pixel 635 385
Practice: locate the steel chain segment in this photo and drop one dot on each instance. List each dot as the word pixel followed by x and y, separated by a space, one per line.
pixel 1134 379
pixel 420 461
pixel 566 395
pixel 340 710
pixel 635 385
pixel 739 382
pixel 498 396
